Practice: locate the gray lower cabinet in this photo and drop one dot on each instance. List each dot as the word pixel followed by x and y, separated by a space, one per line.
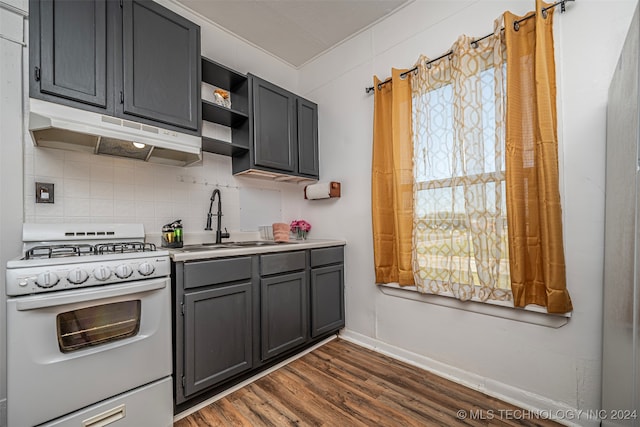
pixel 218 335
pixel 213 329
pixel 284 302
pixel 238 315
pixel 327 299
pixel 327 290
pixel 284 313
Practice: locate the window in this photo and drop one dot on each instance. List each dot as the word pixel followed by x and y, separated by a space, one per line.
pixel 460 227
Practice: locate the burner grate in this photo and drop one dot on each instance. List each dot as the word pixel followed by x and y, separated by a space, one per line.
pixel 58 251
pixel 61 251
pixel 120 248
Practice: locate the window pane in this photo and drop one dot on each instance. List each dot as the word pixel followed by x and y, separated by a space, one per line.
pixel 436 136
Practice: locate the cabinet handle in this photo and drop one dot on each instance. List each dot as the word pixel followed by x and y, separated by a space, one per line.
pixel 37 73
pixel 121 97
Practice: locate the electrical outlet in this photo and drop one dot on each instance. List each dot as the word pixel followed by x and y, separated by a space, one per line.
pixel 44 192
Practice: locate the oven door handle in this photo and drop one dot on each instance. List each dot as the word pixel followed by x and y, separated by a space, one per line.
pixel 89 294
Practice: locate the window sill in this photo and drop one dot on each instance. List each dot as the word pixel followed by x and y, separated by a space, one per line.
pixel 530 314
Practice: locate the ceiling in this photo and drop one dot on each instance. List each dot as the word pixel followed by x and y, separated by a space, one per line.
pixel 295 31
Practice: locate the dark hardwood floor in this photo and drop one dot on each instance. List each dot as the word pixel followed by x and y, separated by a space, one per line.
pixel 342 384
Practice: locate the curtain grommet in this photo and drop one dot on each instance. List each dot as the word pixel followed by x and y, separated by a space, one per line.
pixel 516 26
pixel 544 13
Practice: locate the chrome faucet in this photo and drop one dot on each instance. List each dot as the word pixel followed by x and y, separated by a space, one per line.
pixel 219 234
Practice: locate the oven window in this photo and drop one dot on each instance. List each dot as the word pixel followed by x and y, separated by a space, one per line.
pixel 96 325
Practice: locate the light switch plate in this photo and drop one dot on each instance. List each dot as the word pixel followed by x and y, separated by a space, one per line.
pixel 44 192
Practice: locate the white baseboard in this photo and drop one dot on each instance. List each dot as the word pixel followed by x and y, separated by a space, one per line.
pixel 532 402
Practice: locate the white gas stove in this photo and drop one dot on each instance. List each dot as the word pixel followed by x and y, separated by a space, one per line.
pixel 88 312
pixel 70 256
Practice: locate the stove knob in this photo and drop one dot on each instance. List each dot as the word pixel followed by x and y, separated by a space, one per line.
pixel 47 279
pixel 123 271
pixel 102 273
pixel 77 276
pixel 146 268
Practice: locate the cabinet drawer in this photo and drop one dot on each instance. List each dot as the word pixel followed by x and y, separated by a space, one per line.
pixel 215 271
pixel 325 256
pixel 282 262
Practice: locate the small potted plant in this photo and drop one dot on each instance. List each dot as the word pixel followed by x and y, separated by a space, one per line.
pixel 300 228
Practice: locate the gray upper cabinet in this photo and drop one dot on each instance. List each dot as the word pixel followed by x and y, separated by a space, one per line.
pixel 133 59
pixel 283 134
pixel 307 138
pixel 275 145
pixel 161 64
pixel 69 51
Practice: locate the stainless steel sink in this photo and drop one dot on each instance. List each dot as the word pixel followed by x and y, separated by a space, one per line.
pixel 205 247
pixel 231 245
pixel 256 243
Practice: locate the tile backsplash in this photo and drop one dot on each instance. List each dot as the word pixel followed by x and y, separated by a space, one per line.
pixel 92 188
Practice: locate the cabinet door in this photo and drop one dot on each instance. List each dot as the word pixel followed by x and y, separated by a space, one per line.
pixel 161 64
pixel 284 313
pixel 307 138
pixel 327 299
pixel 217 333
pixel 73 50
pixel 274 124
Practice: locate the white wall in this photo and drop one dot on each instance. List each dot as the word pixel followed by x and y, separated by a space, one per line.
pixel 534 365
pixel 11 124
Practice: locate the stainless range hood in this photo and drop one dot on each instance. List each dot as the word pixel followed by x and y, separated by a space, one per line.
pixel 59 126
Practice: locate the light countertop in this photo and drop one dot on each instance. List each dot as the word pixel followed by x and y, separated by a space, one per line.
pixel 187 254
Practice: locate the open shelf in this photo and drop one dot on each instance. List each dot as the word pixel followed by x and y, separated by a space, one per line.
pixel 217 146
pixel 215 113
pixel 237 118
pixel 223 77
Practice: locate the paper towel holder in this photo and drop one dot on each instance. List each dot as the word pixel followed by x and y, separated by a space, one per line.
pixel 334 189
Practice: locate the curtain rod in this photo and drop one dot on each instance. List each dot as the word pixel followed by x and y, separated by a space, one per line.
pixel 474 43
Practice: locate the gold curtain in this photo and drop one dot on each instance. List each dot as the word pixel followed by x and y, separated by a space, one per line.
pixel 392 181
pixel 533 198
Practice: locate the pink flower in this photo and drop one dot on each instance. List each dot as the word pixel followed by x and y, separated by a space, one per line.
pixel 299 224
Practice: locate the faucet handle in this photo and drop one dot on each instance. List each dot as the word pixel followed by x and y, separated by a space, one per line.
pixel 226 234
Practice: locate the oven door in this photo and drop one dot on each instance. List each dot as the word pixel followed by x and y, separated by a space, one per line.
pixel 68 350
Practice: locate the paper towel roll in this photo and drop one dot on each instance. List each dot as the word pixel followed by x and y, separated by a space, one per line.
pixel 320 190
